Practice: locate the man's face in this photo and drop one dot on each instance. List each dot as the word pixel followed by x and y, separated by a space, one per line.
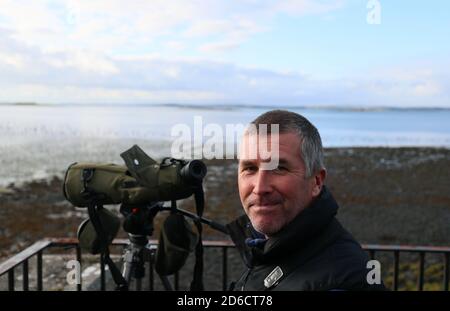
pixel 273 198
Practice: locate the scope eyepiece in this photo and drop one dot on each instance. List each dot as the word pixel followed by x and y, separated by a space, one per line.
pixel 193 171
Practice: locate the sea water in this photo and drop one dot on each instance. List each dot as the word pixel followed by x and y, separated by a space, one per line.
pixel 38 141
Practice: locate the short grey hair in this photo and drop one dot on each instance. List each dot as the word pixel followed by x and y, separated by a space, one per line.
pixel 310 141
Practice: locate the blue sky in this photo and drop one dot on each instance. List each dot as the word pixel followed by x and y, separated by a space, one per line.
pixel 294 52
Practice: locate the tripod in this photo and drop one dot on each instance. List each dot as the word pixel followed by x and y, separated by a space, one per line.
pixel 139 251
pixel 136 254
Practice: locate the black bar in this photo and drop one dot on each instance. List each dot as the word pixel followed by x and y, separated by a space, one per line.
pixel 396 261
pixel 446 270
pixel 177 281
pixel 372 254
pixel 11 280
pixel 39 271
pixel 421 270
pixel 102 273
pixel 79 286
pixel 224 268
pixel 25 275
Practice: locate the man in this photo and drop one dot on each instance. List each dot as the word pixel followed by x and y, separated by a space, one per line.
pixel 289 238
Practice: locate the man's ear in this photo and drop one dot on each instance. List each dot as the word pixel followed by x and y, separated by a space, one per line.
pixel 318 181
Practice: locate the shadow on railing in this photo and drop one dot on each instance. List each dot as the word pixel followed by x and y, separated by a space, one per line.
pixel 8 267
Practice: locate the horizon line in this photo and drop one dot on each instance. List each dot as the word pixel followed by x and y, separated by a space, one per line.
pixel 233 106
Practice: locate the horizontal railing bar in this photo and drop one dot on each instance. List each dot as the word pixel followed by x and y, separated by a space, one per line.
pixel 61 242
pixel 229 243
pixel 207 243
pixel 406 248
pixel 23 255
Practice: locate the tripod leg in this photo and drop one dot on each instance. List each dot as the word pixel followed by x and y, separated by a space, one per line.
pixel 127 271
pixel 139 284
pixel 166 283
pixel 139 273
pixel 164 279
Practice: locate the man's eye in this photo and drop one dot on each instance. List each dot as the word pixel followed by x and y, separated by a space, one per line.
pixel 281 168
pixel 249 169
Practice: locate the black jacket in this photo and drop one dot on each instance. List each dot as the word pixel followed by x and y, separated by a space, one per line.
pixel 313 252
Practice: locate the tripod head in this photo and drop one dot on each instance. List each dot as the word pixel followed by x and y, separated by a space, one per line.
pixel 139 218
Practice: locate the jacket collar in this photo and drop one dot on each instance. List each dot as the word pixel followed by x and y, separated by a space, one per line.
pixel 295 235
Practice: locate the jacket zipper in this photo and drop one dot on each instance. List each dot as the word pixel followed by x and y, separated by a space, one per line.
pixel 247 274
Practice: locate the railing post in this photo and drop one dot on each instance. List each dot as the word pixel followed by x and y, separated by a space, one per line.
pixel 25 275
pixel 224 268
pixel 102 273
pixel 151 275
pixel 79 286
pixel 421 270
pixel 39 271
pixel 11 280
pixel 446 270
pixel 396 262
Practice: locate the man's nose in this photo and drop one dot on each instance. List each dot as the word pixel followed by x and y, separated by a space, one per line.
pixel 262 182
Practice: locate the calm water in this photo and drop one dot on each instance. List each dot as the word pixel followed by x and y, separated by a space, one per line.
pixel 38 141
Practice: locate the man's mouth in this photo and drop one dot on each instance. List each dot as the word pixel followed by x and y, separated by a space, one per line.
pixel 263 208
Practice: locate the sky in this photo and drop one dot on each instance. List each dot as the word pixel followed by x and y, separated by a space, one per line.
pixel 363 53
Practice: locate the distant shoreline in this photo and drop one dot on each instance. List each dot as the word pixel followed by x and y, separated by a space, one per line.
pixel 233 106
pixel 21 104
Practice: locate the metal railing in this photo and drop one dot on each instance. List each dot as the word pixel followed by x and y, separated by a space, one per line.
pixel 422 251
pixel 22 259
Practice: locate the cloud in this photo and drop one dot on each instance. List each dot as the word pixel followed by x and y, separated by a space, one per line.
pixel 428 88
pixel 175 45
pixel 28 74
pixel 68 77
pixel 12 59
pixel 419 84
pixel 228 33
pixel 219 46
pixel 305 7
pixel 116 51
pixel 45 93
pixel 111 25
